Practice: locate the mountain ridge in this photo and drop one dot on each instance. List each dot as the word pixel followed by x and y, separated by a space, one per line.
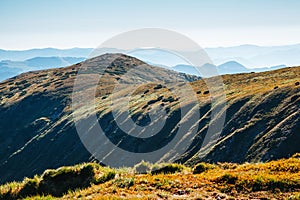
pixel 37 127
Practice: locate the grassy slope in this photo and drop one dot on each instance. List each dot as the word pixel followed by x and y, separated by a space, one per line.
pixel 261 109
pixel 262 122
pixel 276 179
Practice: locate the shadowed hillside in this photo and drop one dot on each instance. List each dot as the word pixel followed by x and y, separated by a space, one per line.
pixel 37 128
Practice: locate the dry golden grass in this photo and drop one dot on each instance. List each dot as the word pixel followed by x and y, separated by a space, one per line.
pixel 276 179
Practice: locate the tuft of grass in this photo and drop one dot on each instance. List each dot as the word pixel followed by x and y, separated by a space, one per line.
pixel 30 187
pixel 227 178
pixel 143 167
pixel 109 175
pixel 7 190
pixel 296 155
pixel 167 168
pixel 202 167
pixel 57 182
pixel 124 182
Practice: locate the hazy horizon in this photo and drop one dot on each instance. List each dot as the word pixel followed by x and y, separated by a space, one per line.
pixel 90 47
pixel 66 24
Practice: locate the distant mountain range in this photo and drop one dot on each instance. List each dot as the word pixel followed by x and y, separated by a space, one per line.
pixel 253 56
pixel 10 68
pixel 21 55
pixel 231 67
pixel 229 60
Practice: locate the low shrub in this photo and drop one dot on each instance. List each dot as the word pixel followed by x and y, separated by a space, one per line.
pixel 30 187
pixel 258 184
pixel 202 167
pixel 167 168
pixel 57 182
pixel 142 167
pixel 296 155
pixel 227 178
pixel 124 182
pixel 169 99
pixel 262 183
pixel 159 86
pixel 109 175
pixel 228 165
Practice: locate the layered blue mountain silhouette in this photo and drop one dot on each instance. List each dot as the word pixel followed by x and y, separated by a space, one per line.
pixel 230 67
pixel 22 55
pixel 10 68
pixel 228 60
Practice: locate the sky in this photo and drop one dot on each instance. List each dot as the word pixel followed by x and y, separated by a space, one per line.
pixel 27 24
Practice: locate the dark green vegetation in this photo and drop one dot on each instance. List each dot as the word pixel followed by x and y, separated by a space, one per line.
pixel 37 131
pixel 276 179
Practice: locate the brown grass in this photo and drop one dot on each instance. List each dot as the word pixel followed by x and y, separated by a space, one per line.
pixel 276 179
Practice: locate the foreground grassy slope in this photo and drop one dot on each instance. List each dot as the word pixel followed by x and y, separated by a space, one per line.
pixel 37 128
pixel 276 179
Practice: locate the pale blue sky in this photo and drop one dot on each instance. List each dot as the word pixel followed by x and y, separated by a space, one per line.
pixel 28 24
